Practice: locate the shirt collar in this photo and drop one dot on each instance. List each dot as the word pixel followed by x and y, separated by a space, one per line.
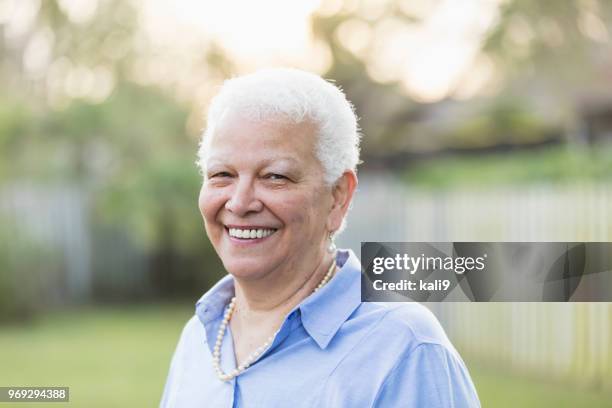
pixel 322 313
pixel 213 302
pixel 326 310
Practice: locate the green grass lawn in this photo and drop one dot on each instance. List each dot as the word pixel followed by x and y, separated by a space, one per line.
pixel 119 357
pixel 109 357
pixel 498 389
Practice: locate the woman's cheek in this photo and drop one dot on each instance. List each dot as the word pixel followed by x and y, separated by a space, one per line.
pixel 296 209
pixel 210 202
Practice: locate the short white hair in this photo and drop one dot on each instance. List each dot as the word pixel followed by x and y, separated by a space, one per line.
pixel 299 96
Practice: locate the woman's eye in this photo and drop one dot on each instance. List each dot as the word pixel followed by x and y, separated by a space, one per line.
pixel 274 176
pixel 220 174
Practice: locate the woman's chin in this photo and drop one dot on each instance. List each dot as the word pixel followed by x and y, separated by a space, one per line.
pixel 245 270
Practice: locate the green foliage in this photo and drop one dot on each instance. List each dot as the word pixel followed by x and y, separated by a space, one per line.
pixel 553 48
pixel 152 184
pixel 16 123
pixel 554 165
pixel 106 39
pixel 132 151
pixel 505 121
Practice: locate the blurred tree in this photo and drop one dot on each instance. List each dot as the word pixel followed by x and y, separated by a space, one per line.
pixel 139 162
pixel 384 107
pixel 392 121
pixel 57 50
pixel 552 52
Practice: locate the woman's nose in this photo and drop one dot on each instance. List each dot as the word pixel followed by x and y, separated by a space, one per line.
pixel 243 199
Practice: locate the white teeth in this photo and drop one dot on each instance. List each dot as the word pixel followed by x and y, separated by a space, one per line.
pixel 250 233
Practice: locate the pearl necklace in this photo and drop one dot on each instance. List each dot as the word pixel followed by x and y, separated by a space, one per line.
pixel 259 350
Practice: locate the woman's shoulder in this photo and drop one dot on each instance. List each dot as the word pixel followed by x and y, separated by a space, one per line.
pixel 412 321
pixel 192 331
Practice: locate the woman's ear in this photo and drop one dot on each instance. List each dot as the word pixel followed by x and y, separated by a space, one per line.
pixel 342 193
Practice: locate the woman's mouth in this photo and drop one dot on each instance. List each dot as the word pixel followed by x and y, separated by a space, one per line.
pixel 250 234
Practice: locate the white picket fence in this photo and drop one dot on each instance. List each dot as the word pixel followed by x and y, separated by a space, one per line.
pixel 551 340
pixel 56 217
pixel 566 340
pixel 386 210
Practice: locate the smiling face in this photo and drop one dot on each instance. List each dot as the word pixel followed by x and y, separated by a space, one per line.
pixel 264 201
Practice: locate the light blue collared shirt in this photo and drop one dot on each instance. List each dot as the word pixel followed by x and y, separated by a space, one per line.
pixel 332 350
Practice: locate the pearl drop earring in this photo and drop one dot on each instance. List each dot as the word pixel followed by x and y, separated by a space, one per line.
pixel 331 248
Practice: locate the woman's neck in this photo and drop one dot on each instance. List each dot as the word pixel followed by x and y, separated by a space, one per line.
pixel 278 292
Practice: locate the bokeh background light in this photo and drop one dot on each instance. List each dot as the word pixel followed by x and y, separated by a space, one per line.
pixel 483 120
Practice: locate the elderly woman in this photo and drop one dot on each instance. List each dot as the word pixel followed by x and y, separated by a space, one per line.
pixel 286 327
